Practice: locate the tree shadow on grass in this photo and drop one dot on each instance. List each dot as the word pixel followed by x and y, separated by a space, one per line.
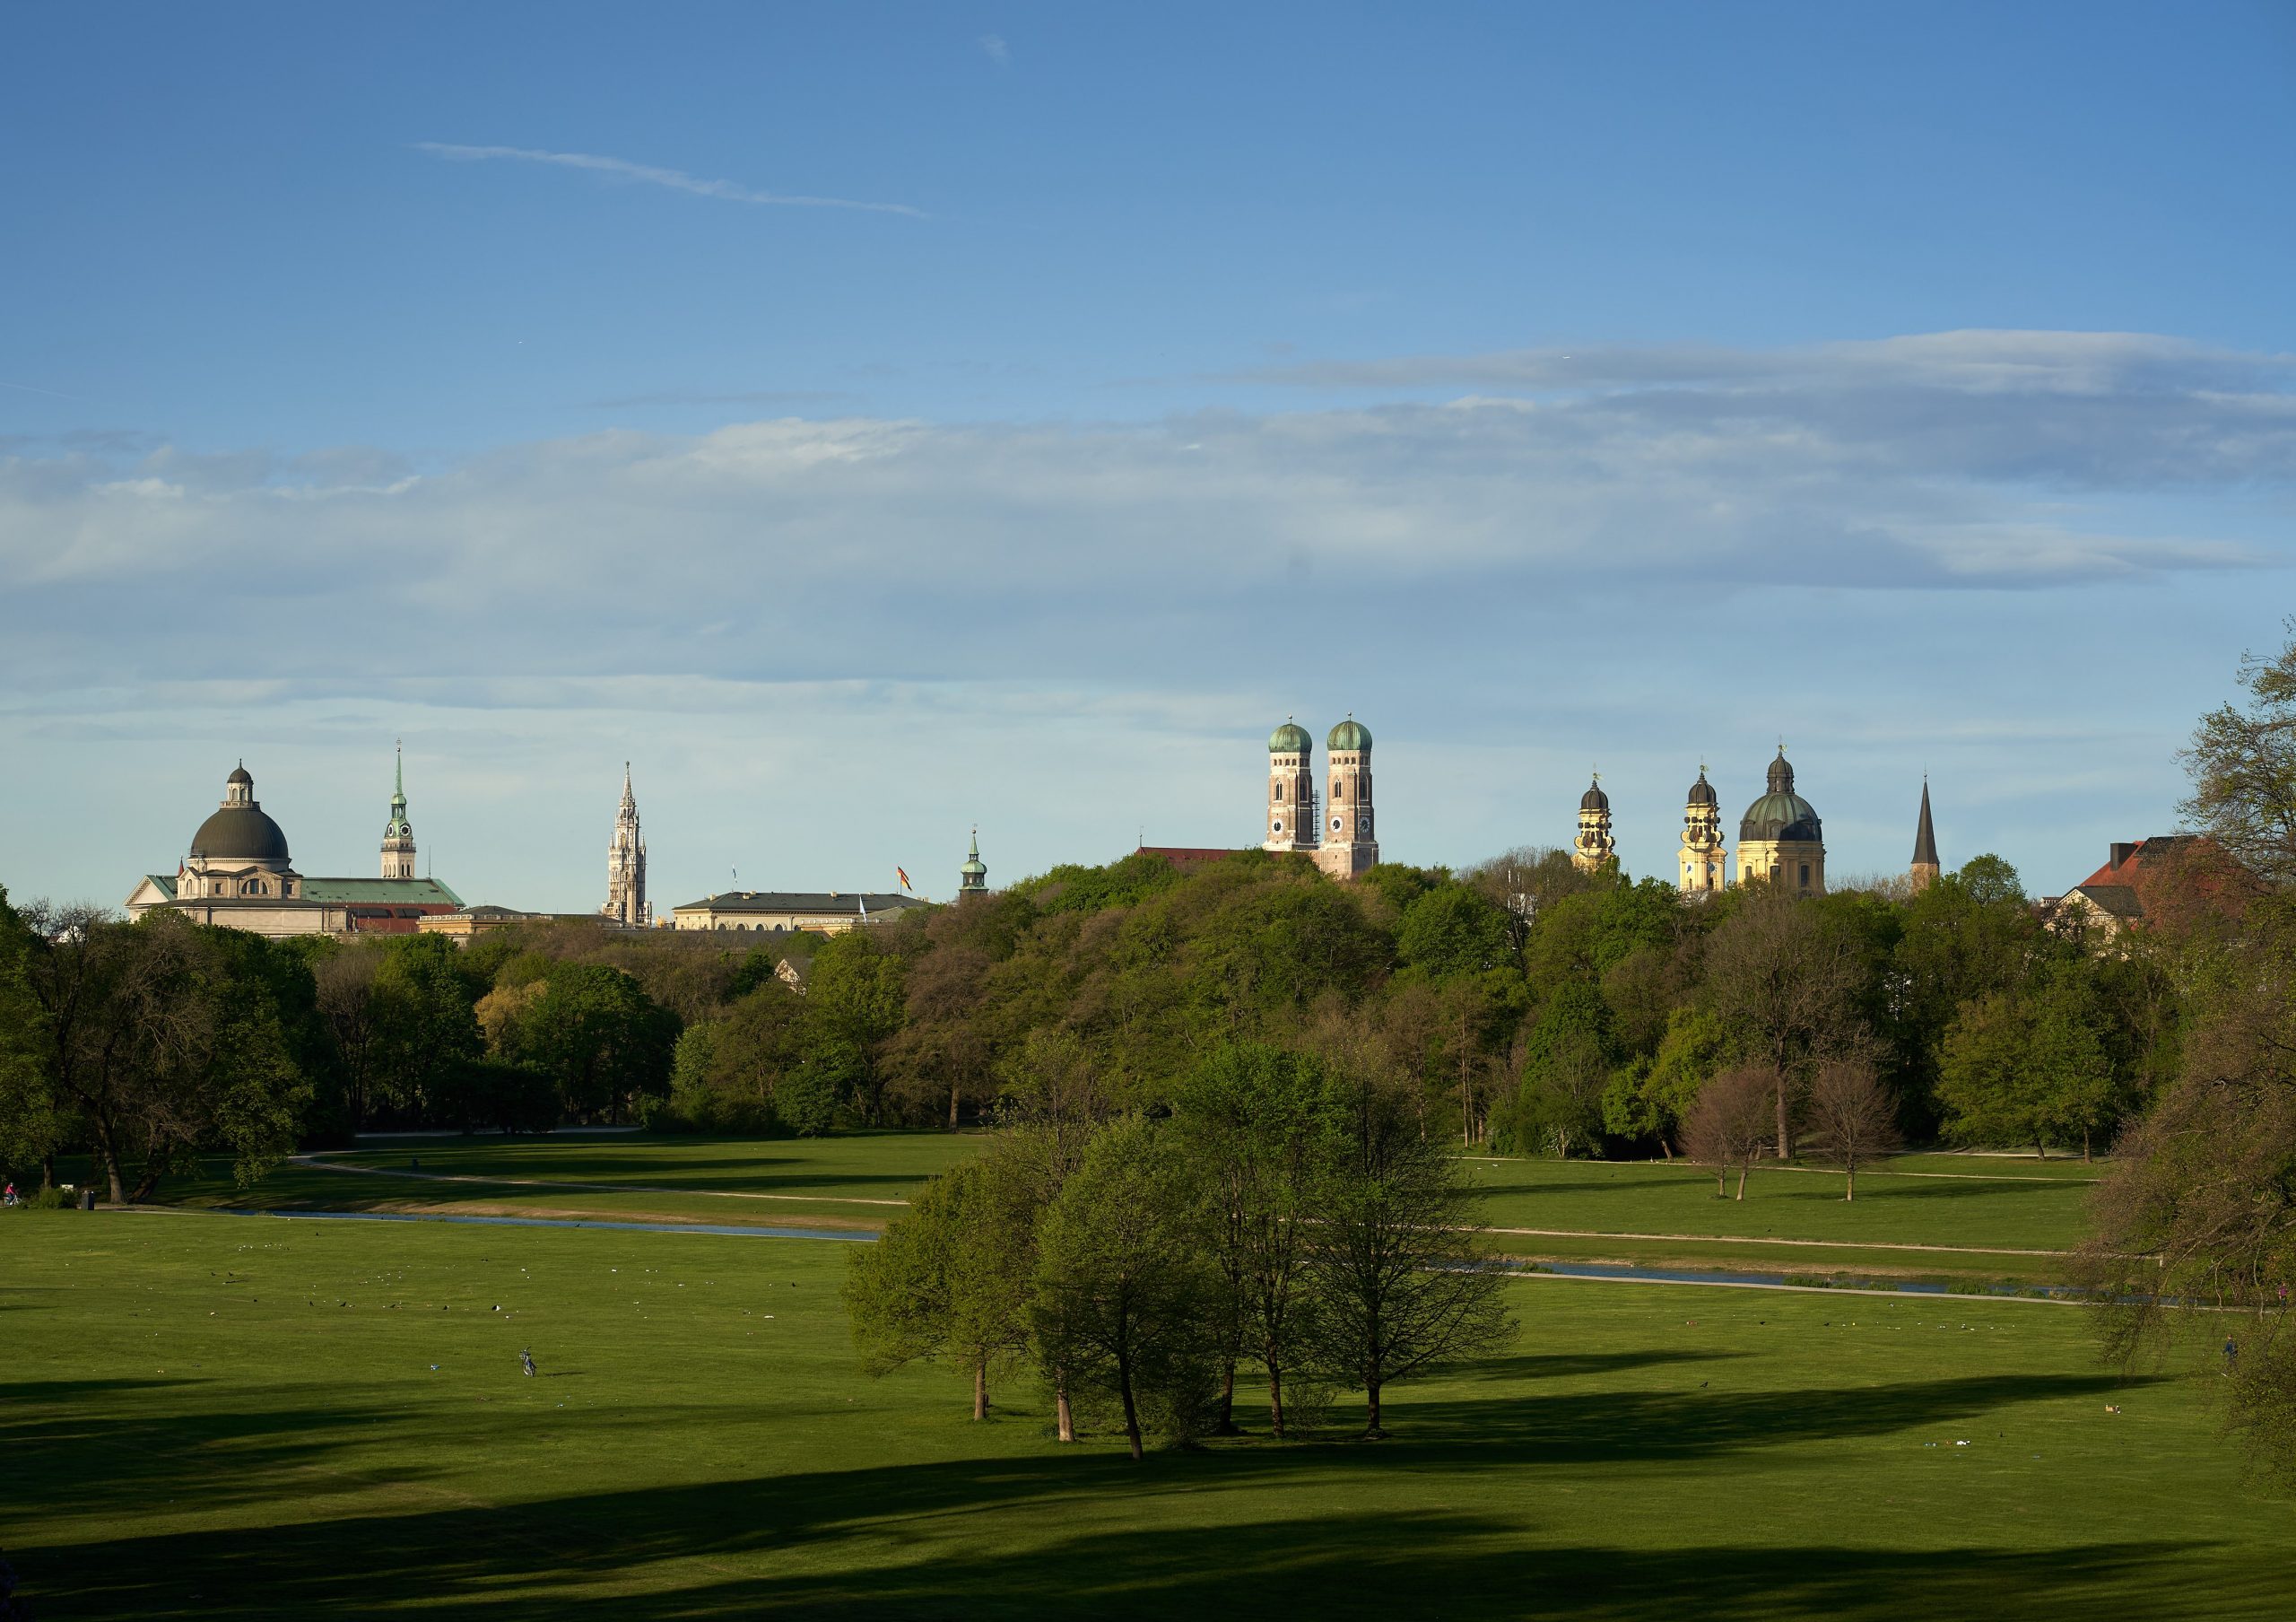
pixel 1905 1188
pixel 1074 1532
pixel 948 1541
pixel 1561 1365
pixel 96 1450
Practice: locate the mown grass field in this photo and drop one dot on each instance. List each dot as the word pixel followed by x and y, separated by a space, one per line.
pixel 858 1180
pixel 1954 1218
pixel 216 1415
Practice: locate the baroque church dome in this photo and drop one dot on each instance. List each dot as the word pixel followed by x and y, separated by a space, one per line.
pixel 1701 792
pixel 1780 814
pixel 1595 799
pixel 239 830
pixel 1290 738
pixel 1350 734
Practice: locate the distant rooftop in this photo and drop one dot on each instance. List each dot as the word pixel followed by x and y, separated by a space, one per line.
pixel 801 901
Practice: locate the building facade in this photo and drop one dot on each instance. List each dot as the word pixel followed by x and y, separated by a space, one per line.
pixel 824 911
pixel 1781 839
pixel 1704 861
pixel 626 864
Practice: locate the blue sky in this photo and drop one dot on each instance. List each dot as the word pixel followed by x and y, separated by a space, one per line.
pixel 1550 387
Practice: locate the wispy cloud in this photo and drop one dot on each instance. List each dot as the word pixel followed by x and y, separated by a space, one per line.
pixel 994 47
pixel 648 174
pixel 53 394
pixel 1924 533
pixel 749 397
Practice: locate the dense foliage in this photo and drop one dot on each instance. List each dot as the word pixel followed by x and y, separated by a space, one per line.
pixel 1287 1214
pixel 1524 1006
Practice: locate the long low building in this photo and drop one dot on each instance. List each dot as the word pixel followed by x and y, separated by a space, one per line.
pixel 238 872
pixel 824 911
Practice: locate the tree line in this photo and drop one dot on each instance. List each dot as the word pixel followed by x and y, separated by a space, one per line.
pixel 1284 1217
pixel 1528 1008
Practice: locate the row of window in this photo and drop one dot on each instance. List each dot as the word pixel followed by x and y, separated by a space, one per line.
pixel 1339 790
pixel 1338 825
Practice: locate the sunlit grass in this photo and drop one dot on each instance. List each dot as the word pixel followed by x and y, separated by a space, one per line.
pixel 215 1415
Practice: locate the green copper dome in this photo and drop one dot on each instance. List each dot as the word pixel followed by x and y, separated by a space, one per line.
pixel 1351 734
pixel 1781 814
pixel 1290 738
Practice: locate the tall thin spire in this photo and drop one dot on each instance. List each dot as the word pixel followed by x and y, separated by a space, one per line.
pixel 1926 866
pixel 1925 835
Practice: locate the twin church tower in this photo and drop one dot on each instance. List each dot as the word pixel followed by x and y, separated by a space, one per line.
pixel 1342 838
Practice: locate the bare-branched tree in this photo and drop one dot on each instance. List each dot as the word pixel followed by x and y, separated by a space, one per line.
pixel 1851 1118
pixel 1729 1126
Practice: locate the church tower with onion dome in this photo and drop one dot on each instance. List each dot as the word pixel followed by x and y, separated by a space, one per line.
pixel 973 878
pixel 1704 860
pixel 1594 846
pixel 1780 839
pixel 626 864
pixel 1291 788
pixel 399 833
pixel 1348 835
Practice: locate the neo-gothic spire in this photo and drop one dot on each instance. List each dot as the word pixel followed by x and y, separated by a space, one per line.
pixel 626 863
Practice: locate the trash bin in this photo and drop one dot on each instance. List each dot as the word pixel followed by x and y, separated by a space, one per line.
pixel 87 1200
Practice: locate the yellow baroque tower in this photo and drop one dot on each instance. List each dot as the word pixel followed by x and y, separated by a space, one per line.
pixel 1704 862
pixel 1594 846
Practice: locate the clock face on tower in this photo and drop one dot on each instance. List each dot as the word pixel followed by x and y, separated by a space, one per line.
pixel 1336 824
pixel 1362 824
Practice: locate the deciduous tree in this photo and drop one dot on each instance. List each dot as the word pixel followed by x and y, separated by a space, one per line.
pixel 1261 1125
pixel 1785 977
pixel 1730 1124
pixel 1126 1298
pixel 2242 762
pixel 1851 1117
pixel 950 1278
pixel 1401 1283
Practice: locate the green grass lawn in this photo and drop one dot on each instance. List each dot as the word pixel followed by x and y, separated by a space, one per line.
pixel 1911 1203
pixel 850 1180
pixel 213 1415
pixel 1976 1212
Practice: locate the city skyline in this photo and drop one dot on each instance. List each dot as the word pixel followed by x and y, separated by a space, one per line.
pixel 870 430
pixel 562 900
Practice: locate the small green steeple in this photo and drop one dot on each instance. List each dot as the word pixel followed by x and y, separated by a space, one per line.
pixel 975 872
